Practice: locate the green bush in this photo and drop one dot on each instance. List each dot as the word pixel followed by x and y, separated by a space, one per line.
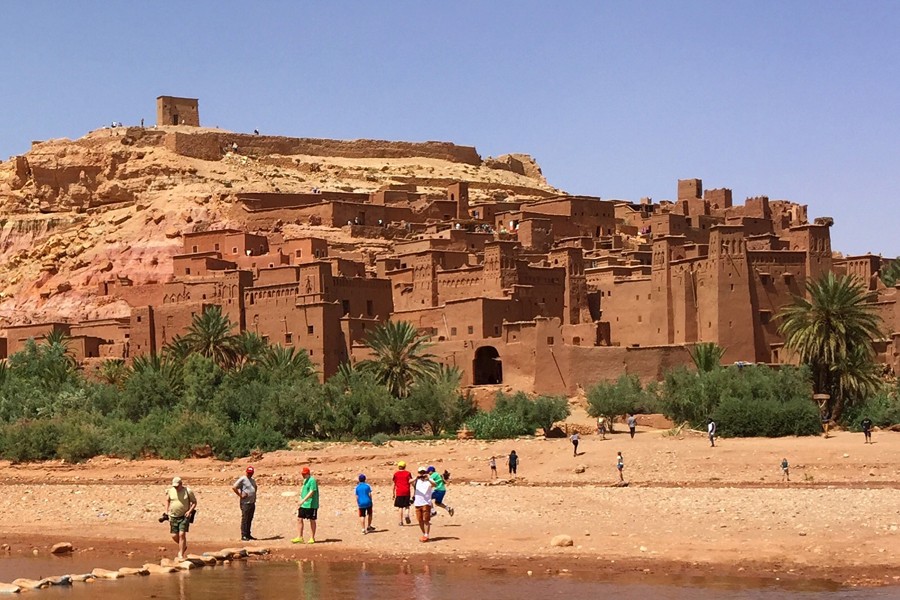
pixel 246 437
pixel 379 439
pixel 496 425
pixel 748 401
pixel 80 441
pixel 883 408
pixel 625 396
pixel 30 440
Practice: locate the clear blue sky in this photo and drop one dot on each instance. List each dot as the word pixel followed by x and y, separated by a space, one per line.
pixel 794 100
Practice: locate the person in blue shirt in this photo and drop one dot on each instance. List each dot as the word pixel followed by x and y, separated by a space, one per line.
pixel 363 493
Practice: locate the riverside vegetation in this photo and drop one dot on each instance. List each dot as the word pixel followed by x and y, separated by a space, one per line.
pixel 215 393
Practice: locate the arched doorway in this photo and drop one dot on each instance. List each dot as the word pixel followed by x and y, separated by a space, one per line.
pixel 487 368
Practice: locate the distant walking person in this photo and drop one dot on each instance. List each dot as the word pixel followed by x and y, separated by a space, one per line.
pixel 180 506
pixel 364 503
pixel 867 429
pixel 620 466
pixel 309 507
pixel 601 427
pixel 513 462
pixel 632 425
pixel 422 501
pixel 245 488
pixel 785 470
pixel 711 430
pixel 574 439
pixel 402 491
pixel 493 464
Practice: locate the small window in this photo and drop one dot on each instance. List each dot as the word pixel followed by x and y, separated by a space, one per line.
pixel 345 306
pixel 299 253
pixel 234 250
pixel 216 247
pixel 310 352
pixel 640 319
pixel 193 248
pixel 310 329
pixel 453 331
pixel 187 270
pixel 549 341
pixel 139 319
pixel 370 307
pixel 471 330
pixel 265 339
pixel 288 338
pixel 496 329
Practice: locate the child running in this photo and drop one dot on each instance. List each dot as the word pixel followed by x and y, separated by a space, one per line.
pixel 620 465
pixel 363 493
pixel 440 490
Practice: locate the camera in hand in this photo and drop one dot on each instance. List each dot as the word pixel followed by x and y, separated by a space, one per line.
pixel 164 517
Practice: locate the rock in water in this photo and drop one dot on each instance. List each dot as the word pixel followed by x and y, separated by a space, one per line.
pixel 105 574
pixel 8 588
pixel 562 540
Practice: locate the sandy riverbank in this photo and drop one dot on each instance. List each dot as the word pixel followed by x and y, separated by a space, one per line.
pixel 689 508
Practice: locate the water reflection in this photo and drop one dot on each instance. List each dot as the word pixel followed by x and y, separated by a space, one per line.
pixel 323 580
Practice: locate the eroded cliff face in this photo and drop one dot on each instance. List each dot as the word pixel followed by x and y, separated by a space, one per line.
pixel 114 203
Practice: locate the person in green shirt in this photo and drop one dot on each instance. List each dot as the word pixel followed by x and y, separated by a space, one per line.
pixel 440 490
pixel 309 507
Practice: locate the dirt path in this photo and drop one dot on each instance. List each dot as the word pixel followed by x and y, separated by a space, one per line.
pixel 688 509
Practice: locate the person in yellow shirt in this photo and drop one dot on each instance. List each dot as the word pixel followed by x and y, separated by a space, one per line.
pixel 180 506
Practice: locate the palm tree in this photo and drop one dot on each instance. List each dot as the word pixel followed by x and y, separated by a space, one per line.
pixel 167 368
pixel 399 356
pixel 249 348
pixel 707 356
pixel 113 371
pixel 832 331
pixel 210 335
pixel 288 362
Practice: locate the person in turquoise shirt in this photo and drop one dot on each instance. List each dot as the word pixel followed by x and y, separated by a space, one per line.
pixel 309 507
pixel 440 490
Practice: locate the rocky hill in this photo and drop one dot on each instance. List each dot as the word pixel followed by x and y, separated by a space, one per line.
pixel 115 202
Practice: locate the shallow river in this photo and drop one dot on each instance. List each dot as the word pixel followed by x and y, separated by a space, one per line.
pixel 314 580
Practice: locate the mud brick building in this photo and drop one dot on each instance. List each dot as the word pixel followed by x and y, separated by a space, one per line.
pixel 546 296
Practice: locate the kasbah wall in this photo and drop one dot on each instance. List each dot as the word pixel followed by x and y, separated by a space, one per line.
pixel 549 296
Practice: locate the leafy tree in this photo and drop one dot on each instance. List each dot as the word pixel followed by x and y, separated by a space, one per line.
pixel 399 357
pixel 437 402
pixel 706 355
pixel 547 410
pixel 826 330
pixel 625 396
pixel 210 335
pixel 360 407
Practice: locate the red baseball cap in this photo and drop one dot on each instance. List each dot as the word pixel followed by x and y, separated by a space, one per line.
pixel 250 469
pixel 305 470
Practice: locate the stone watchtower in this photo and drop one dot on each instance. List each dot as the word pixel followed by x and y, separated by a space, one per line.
pixel 177 111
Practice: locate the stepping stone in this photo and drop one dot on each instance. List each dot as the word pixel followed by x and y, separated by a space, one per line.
pixel 154 569
pixel 133 571
pixel 207 561
pixel 8 588
pixel 220 556
pixel 83 578
pixel 61 580
pixel 257 551
pixel 106 574
pixel 30 584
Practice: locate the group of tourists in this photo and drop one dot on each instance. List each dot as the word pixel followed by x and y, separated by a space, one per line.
pixel 424 492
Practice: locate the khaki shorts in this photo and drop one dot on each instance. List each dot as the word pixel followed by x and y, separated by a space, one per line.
pixel 423 514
